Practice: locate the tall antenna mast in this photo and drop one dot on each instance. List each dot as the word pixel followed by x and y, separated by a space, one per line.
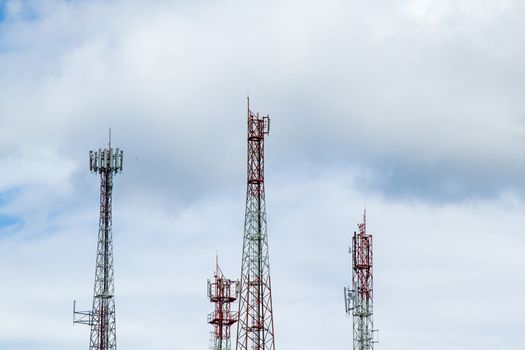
pixel 222 292
pixel 101 318
pixel 255 328
pixel 359 299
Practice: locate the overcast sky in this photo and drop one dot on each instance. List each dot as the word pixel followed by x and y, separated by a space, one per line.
pixel 414 109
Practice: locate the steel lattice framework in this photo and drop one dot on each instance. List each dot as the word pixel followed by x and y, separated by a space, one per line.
pixel 359 298
pixel 255 330
pixel 101 318
pixel 222 292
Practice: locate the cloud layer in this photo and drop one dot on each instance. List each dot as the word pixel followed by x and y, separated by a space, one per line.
pixel 410 108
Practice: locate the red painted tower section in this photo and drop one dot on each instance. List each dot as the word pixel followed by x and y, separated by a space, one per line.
pixel 222 292
pixel 255 330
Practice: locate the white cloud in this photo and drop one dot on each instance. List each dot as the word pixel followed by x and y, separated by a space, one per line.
pixel 434 12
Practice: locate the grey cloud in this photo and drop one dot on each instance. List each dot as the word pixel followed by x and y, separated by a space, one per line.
pixel 375 87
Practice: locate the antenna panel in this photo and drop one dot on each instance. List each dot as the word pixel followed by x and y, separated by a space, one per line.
pixel 90 160
pixel 266 125
pixel 111 158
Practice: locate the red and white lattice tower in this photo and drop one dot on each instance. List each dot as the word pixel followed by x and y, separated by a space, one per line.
pixel 255 326
pixel 359 299
pixel 222 292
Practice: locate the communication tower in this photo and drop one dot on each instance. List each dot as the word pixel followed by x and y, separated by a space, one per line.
pixel 255 329
pixel 359 298
pixel 101 317
pixel 222 292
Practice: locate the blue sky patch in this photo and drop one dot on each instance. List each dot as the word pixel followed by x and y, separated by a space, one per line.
pixel 8 196
pixel 9 220
pixel 26 12
pixel 2 10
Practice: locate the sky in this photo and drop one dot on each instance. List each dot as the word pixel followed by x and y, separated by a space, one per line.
pixel 411 109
